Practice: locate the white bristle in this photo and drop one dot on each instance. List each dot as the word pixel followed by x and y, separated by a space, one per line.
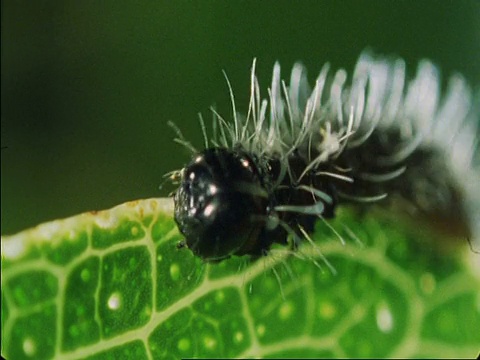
pixel 377 96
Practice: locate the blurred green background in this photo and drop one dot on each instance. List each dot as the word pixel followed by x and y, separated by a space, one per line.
pixel 88 86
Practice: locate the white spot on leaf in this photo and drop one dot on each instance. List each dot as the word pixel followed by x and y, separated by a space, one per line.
pixel 29 347
pixel 115 301
pixel 384 318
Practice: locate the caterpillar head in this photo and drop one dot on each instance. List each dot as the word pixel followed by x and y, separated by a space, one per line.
pixel 217 200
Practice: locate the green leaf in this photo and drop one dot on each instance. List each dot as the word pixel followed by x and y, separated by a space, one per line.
pixel 113 285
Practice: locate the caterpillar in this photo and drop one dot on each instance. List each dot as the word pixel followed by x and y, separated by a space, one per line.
pixel 378 138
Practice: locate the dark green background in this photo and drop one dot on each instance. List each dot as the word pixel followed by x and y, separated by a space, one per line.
pixel 88 86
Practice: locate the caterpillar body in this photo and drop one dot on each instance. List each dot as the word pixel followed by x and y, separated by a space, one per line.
pixel 299 153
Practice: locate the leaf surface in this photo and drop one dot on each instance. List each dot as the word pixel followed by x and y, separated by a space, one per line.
pixel 113 285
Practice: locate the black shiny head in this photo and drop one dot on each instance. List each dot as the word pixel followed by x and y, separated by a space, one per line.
pixel 219 203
